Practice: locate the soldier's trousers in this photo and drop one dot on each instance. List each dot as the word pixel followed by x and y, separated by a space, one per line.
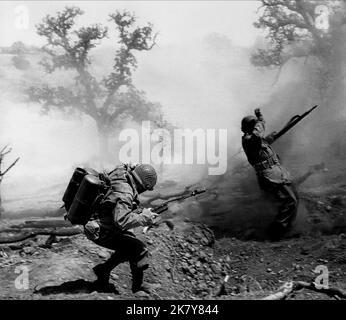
pixel 288 199
pixel 127 248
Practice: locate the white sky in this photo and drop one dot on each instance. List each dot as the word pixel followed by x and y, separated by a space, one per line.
pixel 177 21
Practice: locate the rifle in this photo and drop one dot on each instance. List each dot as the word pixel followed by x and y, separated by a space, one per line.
pixel 164 207
pixel 290 124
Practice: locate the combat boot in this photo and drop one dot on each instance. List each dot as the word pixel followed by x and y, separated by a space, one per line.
pixel 276 231
pixel 103 271
pixel 137 281
pixel 102 274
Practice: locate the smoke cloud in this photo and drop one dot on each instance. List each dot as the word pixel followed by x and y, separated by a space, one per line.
pixel 205 84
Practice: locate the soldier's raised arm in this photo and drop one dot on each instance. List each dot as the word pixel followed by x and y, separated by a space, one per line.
pixel 259 127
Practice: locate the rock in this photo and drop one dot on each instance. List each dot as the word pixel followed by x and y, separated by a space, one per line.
pixel 249 284
pixel 28 250
pixel 328 208
pixel 154 286
pixel 192 240
pixel 296 266
pixel 216 267
pixel 205 241
pixel 65 241
pixel 269 270
pixel 103 254
pixel 3 254
pixel 141 294
pixel 202 256
pixel 207 269
pixel 202 286
pixel 16 246
pixel 192 270
pixel 115 277
pixel 167 265
pixel 184 265
pixel 304 251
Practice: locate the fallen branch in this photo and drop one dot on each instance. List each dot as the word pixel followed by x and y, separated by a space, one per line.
pixel 286 289
pixel 289 287
pixel 45 223
pixel 13 235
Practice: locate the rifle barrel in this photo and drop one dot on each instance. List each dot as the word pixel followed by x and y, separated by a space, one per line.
pixel 164 206
pixel 294 120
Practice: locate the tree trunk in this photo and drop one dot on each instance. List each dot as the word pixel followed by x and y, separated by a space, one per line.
pixel 1 208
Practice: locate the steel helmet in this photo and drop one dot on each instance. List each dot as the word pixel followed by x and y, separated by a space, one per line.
pixel 248 123
pixel 146 176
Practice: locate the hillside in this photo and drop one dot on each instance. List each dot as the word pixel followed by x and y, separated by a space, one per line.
pixel 188 263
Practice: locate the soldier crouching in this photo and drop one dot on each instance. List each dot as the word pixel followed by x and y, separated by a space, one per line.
pixel 118 213
pixel 272 176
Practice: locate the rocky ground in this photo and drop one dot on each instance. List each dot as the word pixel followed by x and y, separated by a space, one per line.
pixel 187 263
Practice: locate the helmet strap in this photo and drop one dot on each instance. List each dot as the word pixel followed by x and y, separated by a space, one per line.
pixel 139 183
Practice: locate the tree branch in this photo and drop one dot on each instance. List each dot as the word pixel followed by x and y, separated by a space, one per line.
pixel 12 165
pixel 3 149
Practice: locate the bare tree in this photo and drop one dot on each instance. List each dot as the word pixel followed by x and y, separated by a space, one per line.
pixel 4 151
pixel 108 100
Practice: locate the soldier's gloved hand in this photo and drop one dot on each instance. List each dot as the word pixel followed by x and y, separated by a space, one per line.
pixel 149 216
pixel 258 114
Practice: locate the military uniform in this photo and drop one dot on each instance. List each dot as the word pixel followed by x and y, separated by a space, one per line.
pixel 116 216
pixel 272 176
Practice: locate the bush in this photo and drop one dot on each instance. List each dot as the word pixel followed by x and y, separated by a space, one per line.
pixel 21 63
